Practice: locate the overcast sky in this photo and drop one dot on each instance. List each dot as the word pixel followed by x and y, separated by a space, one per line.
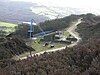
pixel 68 3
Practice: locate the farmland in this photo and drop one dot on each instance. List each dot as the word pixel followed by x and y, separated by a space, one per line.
pixel 8 27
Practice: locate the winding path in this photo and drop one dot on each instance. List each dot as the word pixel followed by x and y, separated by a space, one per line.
pixel 71 30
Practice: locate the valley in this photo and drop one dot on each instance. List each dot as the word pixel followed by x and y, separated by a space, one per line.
pixel 47 37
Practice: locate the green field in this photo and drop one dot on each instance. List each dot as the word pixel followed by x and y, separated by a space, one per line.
pixel 66 34
pixel 7 24
pixel 10 25
pixel 39 46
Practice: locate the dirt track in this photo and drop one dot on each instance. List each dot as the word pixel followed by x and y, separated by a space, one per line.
pixel 72 31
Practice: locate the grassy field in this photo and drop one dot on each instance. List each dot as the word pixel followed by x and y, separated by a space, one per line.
pixel 66 34
pixel 39 46
pixel 10 25
pixel 7 24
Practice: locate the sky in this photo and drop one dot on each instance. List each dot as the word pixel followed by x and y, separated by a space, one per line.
pixel 68 3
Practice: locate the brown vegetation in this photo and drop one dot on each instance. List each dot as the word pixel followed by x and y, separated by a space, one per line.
pixel 12 46
pixel 80 60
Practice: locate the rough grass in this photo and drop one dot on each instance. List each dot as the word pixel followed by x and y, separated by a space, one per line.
pixel 39 46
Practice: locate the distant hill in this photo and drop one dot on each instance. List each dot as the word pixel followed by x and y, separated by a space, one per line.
pixel 60 12
pixel 17 12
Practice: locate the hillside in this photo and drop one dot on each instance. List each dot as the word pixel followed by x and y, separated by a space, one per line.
pixel 11 47
pixel 48 25
pixel 83 59
pixel 54 12
pixel 18 12
pixel 90 27
pixel 80 60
